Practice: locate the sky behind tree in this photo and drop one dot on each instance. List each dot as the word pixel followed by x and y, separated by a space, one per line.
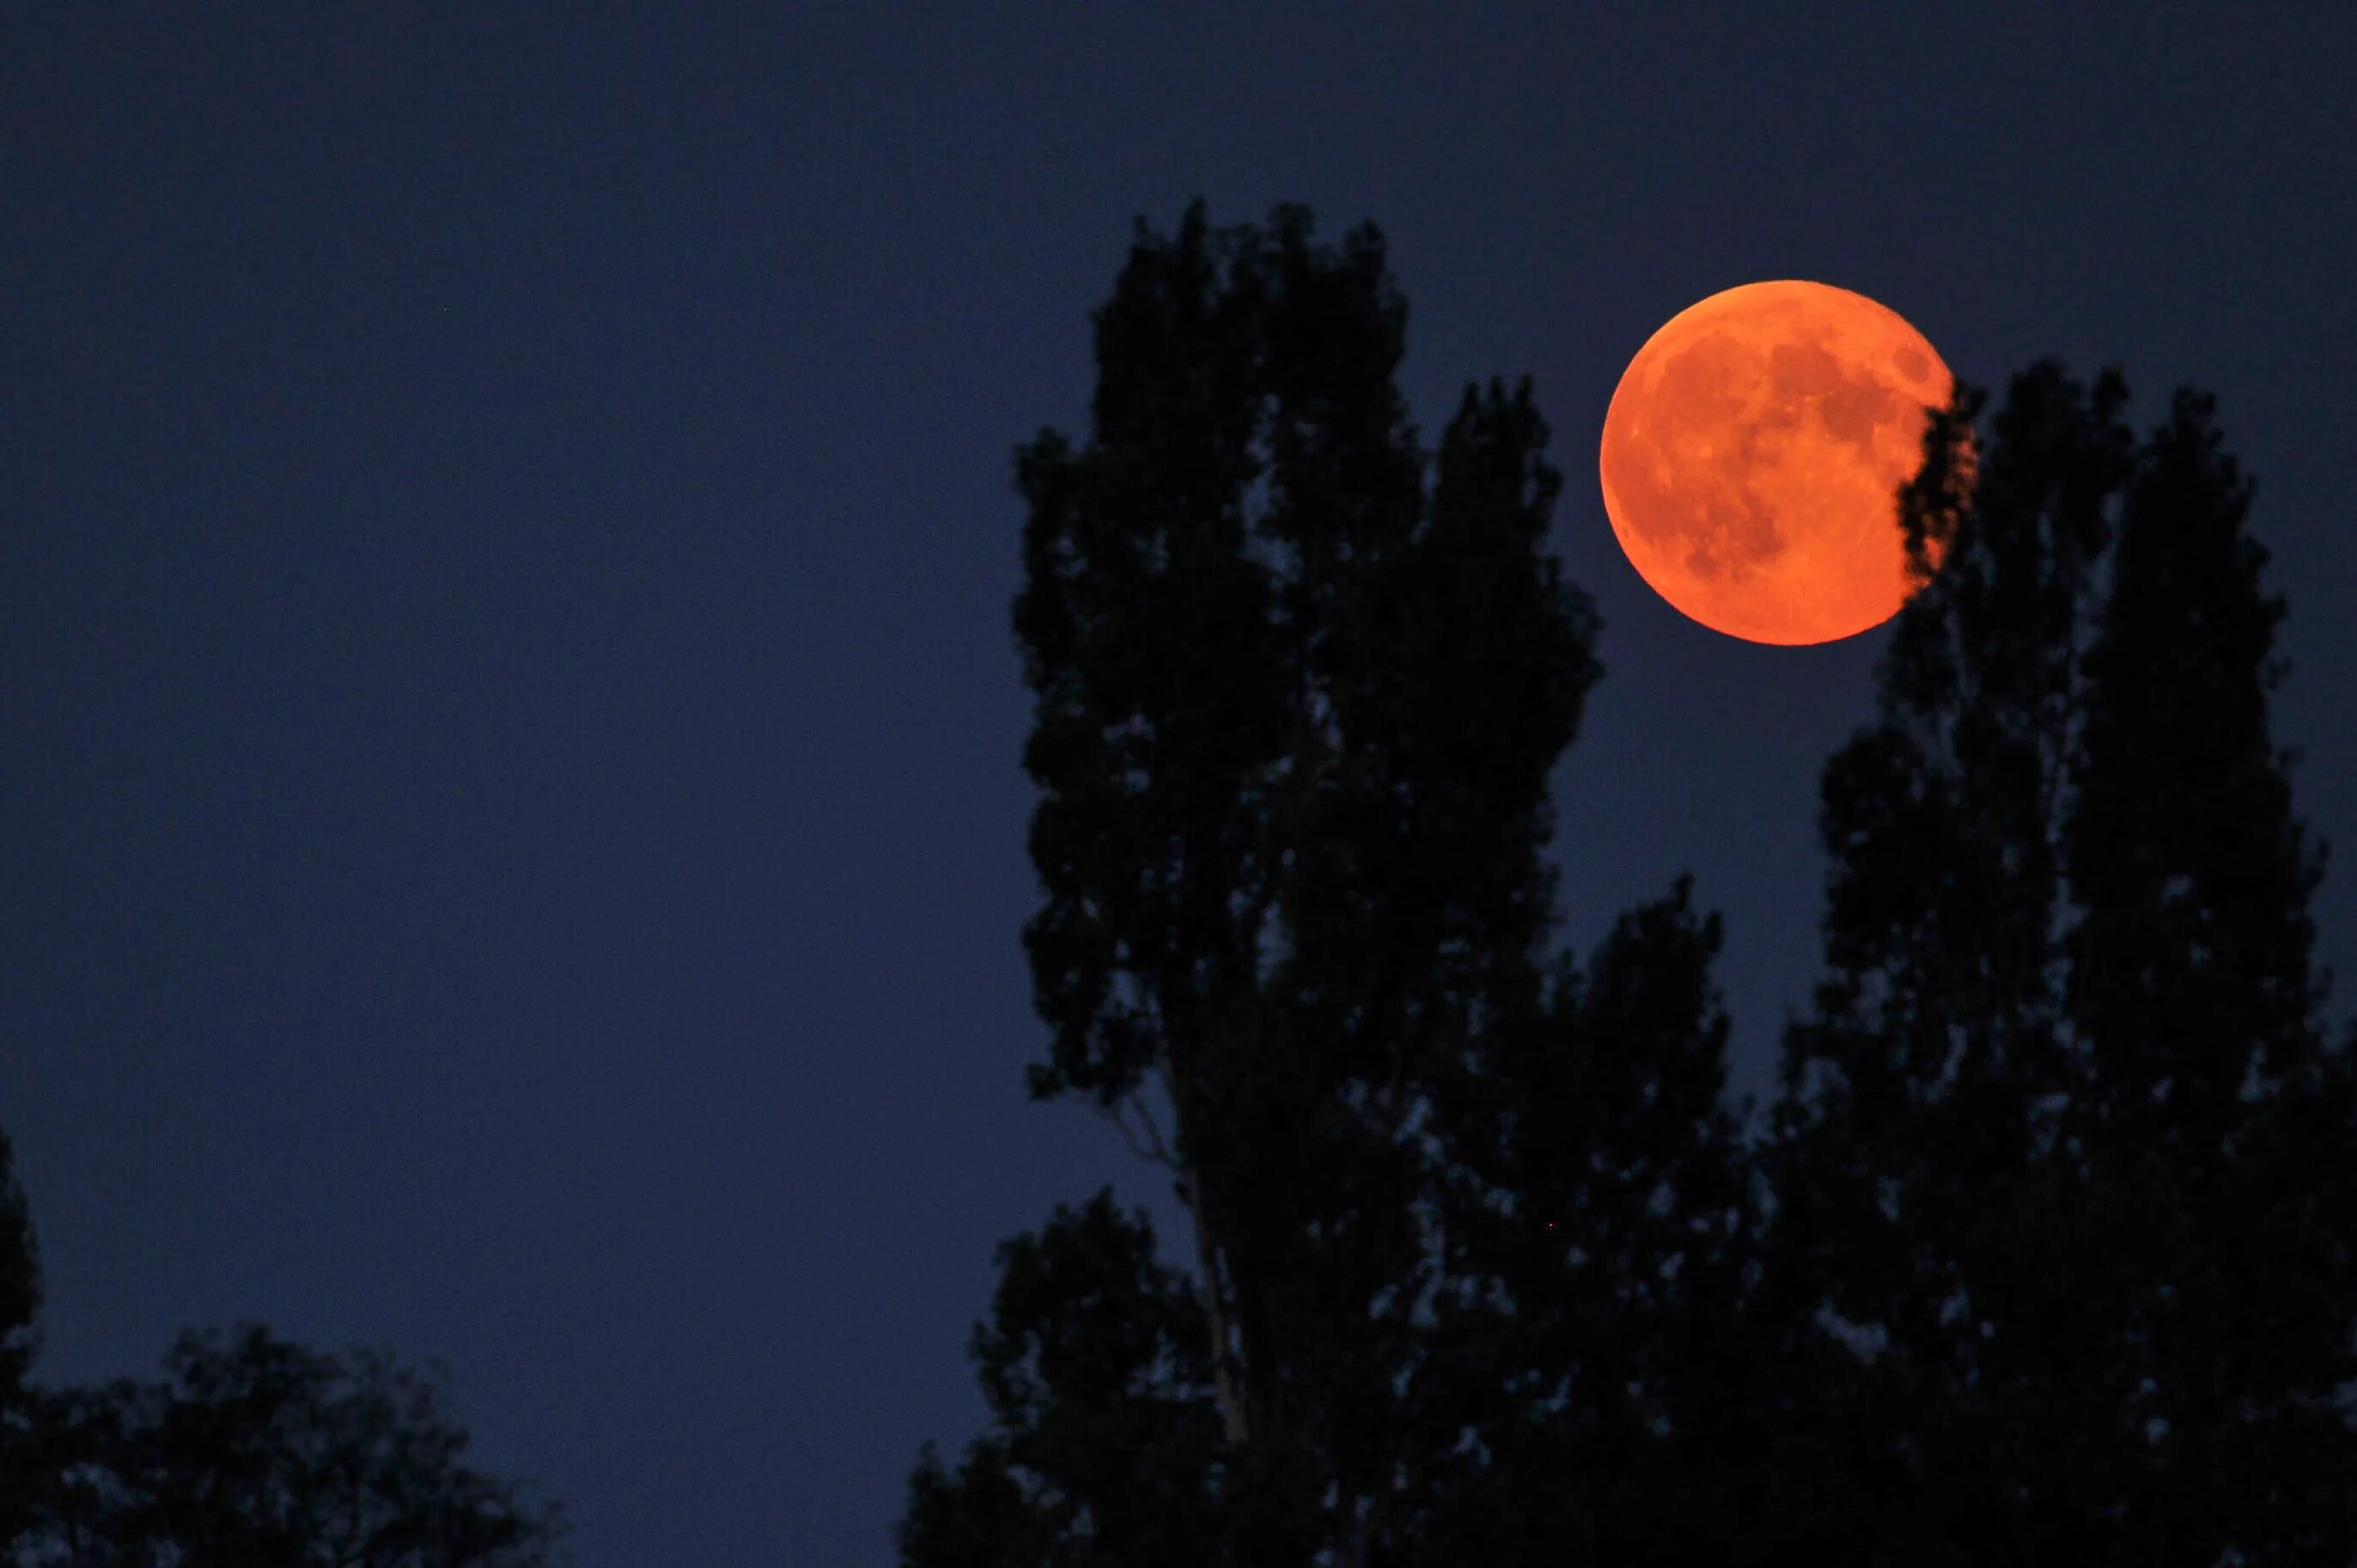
pixel 514 843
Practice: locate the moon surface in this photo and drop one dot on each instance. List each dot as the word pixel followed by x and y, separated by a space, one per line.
pixel 1753 452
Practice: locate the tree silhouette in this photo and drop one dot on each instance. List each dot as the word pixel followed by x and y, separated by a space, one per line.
pixel 2220 1125
pixel 20 1301
pixel 2062 1130
pixel 1294 725
pixel 2046 1255
pixel 254 1453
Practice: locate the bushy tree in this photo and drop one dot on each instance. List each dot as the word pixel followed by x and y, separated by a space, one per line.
pixel 20 1301
pixel 251 1452
pixel 254 1453
pixel 1592 1347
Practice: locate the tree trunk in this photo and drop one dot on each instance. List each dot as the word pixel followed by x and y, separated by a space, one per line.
pixel 1207 1265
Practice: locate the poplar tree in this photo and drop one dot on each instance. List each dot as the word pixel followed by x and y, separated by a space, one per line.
pixel 1295 721
pixel 2218 1131
pixel 2060 1146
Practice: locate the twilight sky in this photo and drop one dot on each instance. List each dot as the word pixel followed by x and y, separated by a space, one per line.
pixel 512 842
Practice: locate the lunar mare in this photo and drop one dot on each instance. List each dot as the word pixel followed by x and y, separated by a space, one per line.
pixel 1753 452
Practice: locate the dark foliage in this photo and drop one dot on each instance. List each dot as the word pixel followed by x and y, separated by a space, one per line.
pixel 2046 1255
pixel 1295 718
pixel 2076 1150
pixel 20 1301
pixel 254 1453
pixel 251 1452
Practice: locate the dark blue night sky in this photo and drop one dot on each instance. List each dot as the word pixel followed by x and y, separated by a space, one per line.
pixel 512 842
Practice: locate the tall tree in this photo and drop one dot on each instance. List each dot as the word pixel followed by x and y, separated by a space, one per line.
pixel 2068 811
pixel 1916 1095
pixel 2219 1130
pixel 1295 721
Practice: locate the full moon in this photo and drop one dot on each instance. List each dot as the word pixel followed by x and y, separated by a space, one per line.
pixel 1753 452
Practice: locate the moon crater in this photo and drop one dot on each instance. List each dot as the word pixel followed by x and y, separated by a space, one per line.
pixel 1753 452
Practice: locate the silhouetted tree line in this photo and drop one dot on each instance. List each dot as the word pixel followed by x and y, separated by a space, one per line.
pixel 2044 1254
pixel 251 1452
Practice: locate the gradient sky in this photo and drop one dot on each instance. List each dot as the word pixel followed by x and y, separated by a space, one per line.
pixel 512 842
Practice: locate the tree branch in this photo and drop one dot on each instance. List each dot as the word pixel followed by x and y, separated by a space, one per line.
pixel 1154 1149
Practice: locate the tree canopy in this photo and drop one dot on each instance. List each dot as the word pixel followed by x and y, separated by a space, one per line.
pixel 2078 1152
pixel 253 1451
pixel 2045 1252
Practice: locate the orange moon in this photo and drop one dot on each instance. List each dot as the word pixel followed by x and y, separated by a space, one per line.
pixel 1753 454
